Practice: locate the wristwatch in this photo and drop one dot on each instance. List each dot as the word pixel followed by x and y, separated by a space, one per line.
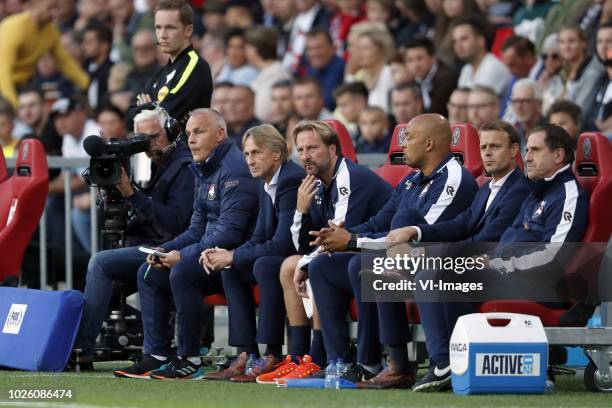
pixel 351 245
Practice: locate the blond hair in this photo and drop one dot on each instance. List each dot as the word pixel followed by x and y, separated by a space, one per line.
pixel 267 136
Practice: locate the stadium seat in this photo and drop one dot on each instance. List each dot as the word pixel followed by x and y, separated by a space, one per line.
pixel 22 200
pixel 394 168
pixel 348 150
pixel 3 169
pixel 501 34
pixel 220 300
pixel 593 169
pixel 465 146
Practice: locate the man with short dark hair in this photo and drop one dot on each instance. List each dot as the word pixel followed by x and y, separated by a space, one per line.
pixel 481 67
pixel 351 98
pixel 308 101
pixel 492 211
pixel 185 82
pixel 518 54
pixel 97 43
pixel 144 59
pixel 435 78
pixel 240 112
pixel 323 63
pixel 281 104
pixel 406 102
pixel 567 115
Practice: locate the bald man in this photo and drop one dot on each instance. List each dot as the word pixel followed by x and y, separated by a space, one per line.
pixel 440 190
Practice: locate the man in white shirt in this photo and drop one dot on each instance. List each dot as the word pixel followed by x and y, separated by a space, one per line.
pixel 481 67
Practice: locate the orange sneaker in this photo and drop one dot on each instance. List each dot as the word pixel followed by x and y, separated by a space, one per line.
pixel 283 368
pixel 304 370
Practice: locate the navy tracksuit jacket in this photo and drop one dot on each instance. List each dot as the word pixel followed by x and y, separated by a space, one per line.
pixel 447 191
pixel 224 212
pixel 259 260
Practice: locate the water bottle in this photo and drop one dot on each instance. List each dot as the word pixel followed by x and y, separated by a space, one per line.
pixel 340 371
pixel 330 375
pixel 250 364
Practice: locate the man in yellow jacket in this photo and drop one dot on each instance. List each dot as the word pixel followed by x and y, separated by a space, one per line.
pixel 25 37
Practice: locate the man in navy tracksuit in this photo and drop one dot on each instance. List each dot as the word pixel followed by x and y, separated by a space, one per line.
pixel 225 208
pixel 259 259
pixel 335 189
pixel 440 190
pixel 491 213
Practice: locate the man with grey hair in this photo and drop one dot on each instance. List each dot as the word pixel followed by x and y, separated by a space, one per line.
pixel 161 211
pixel 258 260
pixel 224 213
pixel 526 104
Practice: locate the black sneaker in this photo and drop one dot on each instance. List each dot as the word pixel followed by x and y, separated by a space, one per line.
pixel 357 373
pixel 180 369
pixel 141 369
pixel 436 379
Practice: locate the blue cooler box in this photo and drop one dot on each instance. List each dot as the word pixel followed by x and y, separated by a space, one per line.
pixel 498 353
pixel 38 327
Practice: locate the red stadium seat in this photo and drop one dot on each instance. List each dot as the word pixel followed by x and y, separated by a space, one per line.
pixel 220 300
pixel 501 34
pixel 3 170
pixel 22 200
pixel 348 150
pixel 593 169
pixel 394 168
pixel 465 146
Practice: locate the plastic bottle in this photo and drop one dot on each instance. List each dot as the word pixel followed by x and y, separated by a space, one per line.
pixel 340 371
pixel 330 375
pixel 250 364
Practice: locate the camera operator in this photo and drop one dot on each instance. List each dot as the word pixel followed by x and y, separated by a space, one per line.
pixel 161 212
pixel 185 82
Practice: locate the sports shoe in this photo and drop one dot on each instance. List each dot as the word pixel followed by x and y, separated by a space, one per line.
pixel 180 369
pixel 438 378
pixel 391 377
pixel 141 369
pixel 357 373
pixel 282 369
pixel 304 370
pixel 263 365
pixel 237 367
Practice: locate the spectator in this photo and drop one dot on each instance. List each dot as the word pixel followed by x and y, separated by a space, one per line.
pixel 97 42
pixel 7 116
pixel 33 113
pixel 52 83
pixel 261 53
pixel 373 51
pixel 25 37
pixel 481 67
pixel 374 131
pixel 213 17
pixel 518 54
pixel 580 73
pixel 550 79
pixel 91 12
pixel 351 99
pixel 527 106
pixel 603 97
pixel 567 115
pixel 66 15
pixel 71 41
pixel 311 14
pixel 112 123
pixel 406 102
pixel 308 100
pixel 323 63
pixel 348 12
pixel 221 98
pixel 483 105
pixel 281 106
pixel 212 50
pixel 415 18
pixel 435 78
pixel 458 106
pixel 240 113
pixel 125 22
pixel 144 60
pixel 238 15
pixel 284 13
pixel 529 20
pixel 236 70
pixel 451 11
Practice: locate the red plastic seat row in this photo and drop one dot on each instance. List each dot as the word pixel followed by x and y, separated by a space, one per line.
pixel 22 201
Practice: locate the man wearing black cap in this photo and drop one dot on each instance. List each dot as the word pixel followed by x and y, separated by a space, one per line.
pixel 185 82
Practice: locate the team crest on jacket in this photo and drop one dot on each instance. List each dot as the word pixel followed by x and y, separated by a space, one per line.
pixel 212 192
pixel 408 184
pixel 426 188
pixel 539 210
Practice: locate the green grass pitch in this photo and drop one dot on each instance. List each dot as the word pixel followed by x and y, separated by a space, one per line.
pixel 100 388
